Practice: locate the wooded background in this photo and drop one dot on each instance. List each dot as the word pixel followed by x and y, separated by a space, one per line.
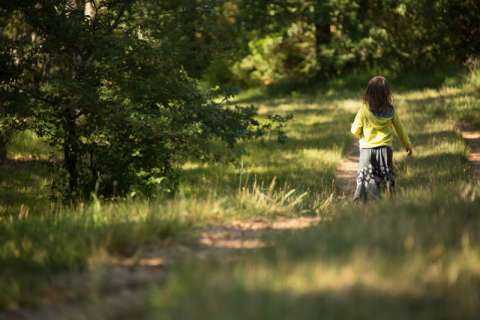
pixel 127 90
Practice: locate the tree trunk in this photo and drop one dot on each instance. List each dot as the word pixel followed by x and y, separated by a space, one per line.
pixel 70 153
pixel 323 34
pixel 3 148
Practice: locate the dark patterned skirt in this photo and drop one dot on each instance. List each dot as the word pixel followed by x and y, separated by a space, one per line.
pixel 375 173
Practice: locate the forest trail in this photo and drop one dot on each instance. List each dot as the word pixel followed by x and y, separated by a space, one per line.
pixel 118 289
pixel 347 169
pixel 472 139
pixel 345 178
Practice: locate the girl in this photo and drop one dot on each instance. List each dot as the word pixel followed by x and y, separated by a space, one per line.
pixel 373 125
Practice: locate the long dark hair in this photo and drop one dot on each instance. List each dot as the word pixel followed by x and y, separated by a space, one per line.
pixel 377 96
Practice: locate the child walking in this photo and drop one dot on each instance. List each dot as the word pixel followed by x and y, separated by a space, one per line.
pixel 374 125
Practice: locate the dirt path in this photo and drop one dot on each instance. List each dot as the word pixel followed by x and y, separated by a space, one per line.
pixel 118 289
pixel 347 171
pixel 472 138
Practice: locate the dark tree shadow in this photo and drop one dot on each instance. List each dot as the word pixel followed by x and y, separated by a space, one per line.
pixel 24 183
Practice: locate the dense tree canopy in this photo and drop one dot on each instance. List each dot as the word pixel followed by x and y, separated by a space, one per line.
pixel 112 83
pixel 301 39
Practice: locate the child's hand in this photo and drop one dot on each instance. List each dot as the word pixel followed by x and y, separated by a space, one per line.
pixel 409 151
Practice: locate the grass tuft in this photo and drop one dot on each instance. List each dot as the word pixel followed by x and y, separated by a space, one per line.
pixel 416 256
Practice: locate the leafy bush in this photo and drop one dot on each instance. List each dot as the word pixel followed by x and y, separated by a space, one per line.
pixel 110 88
pixel 279 56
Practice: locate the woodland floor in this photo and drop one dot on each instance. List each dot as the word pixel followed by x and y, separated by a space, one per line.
pixel 119 287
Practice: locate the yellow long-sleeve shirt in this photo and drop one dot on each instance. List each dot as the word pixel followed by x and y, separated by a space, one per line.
pixel 374 131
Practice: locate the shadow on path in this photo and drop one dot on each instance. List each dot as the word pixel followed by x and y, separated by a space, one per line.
pixel 117 289
pixel 472 138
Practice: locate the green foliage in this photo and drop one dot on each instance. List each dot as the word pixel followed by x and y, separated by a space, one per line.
pixel 27 145
pixel 340 36
pixel 113 85
pixel 279 57
pixel 112 91
pixel 269 181
pixel 262 65
pixel 13 110
pixel 107 90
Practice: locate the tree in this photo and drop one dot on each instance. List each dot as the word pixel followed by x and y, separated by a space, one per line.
pixel 109 84
pixel 14 110
pixel 381 34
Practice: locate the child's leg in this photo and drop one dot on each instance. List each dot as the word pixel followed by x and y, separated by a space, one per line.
pixel 389 174
pixel 364 175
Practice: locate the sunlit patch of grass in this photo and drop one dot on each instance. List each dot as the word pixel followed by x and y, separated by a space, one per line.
pixel 422 95
pixel 317 136
pixel 415 255
pixel 382 260
pixel 24 185
pixel 379 259
pixel 27 145
pixel 261 200
pixel 35 248
pixel 25 179
pixel 321 158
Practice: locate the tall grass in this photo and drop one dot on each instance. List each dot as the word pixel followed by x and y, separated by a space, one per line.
pixel 27 145
pixel 34 248
pixel 307 271
pixel 415 259
pixel 416 256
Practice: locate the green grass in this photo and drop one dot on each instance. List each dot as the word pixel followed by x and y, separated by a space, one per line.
pixel 25 179
pixel 24 187
pixel 414 257
pixel 26 145
pixel 418 252
pixel 36 248
pixel 306 162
